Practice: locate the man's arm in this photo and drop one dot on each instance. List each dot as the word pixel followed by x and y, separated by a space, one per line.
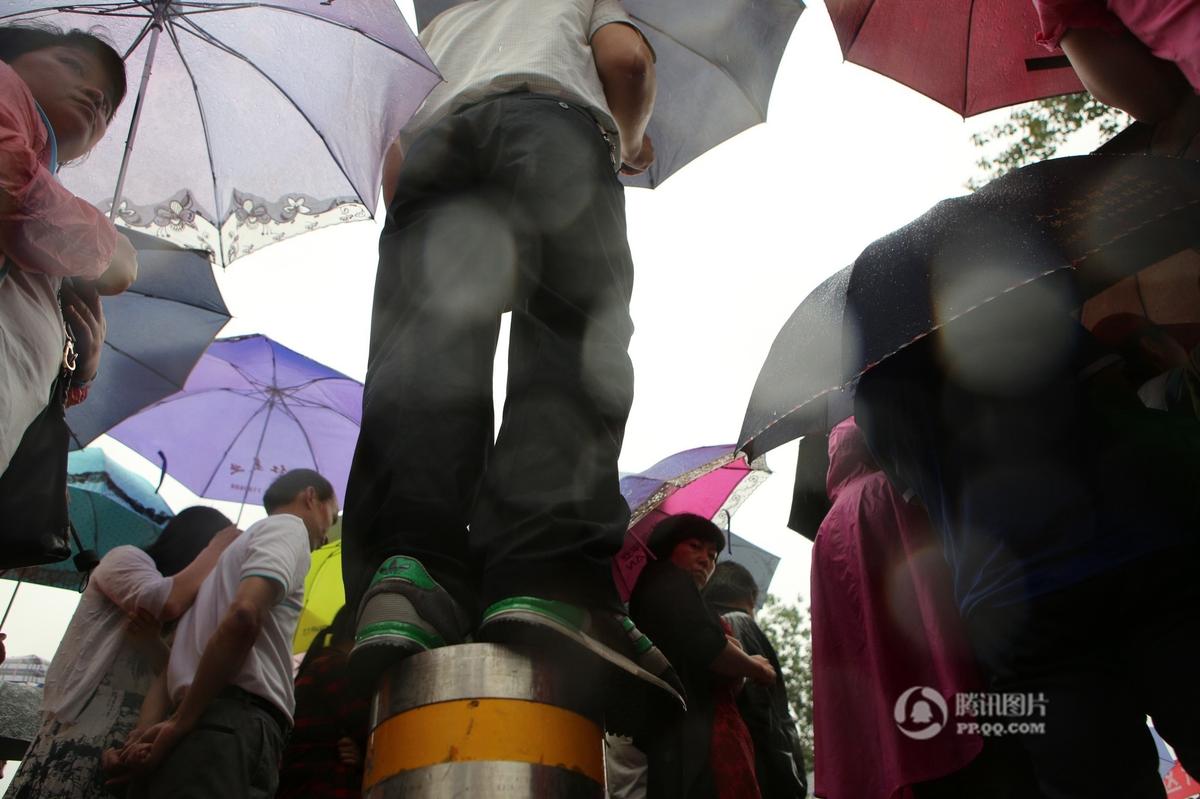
pixel 1122 72
pixel 393 159
pixel 626 68
pixel 220 662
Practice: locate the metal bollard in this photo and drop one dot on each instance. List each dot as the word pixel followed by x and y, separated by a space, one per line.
pixel 485 720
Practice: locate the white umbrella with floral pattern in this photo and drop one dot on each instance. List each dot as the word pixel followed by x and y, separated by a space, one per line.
pixel 248 122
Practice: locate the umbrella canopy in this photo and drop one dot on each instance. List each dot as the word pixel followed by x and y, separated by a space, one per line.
pixel 969 55
pixel 716 62
pixel 709 481
pixel 110 506
pixel 1075 225
pixel 251 410
pixel 157 331
pixel 253 121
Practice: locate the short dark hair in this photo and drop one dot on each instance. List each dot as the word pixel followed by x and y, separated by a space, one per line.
pixel 731 584
pixel 285 488
pixel 17 40
pixel 340 631
pixel 670 531
pixel 184 537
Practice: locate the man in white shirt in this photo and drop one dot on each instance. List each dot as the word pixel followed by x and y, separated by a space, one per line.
pixel 230 672
pixel 504 195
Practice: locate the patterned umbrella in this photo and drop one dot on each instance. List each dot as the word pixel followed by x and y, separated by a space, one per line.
pixel 708 481
pixel 253 121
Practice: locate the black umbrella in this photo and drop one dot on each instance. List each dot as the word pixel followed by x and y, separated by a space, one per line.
pixel 1071 226
pixel 157 331
pixel 716 63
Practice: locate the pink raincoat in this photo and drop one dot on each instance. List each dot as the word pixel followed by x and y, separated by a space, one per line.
pixel 884 621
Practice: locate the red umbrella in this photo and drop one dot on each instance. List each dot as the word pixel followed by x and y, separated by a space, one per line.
pixel 969 55
pixel 1179 784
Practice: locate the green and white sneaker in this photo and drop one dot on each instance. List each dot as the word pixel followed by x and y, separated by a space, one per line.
pixel 609 636
pixel 403 612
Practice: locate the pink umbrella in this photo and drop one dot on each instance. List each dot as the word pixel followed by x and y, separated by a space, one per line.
pixel 708 481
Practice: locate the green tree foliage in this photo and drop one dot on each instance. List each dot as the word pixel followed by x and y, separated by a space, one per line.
pixel 787 627
pixel 1035 131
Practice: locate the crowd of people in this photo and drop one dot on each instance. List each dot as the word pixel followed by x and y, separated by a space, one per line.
pixel 1030 514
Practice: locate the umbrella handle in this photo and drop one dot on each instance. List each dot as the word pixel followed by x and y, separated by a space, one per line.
pixel 162 475
pixel 10 604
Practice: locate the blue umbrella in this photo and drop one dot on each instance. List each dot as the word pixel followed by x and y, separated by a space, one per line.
pixel 110 506
pixel 156 332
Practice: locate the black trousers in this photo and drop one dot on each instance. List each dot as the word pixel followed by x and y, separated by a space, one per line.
pixel 509 204
pixel 232 753
pixel 1104 654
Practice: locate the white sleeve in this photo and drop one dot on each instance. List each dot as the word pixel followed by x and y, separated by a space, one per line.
pixel 278 551
pixel 606 12
pixel 128 577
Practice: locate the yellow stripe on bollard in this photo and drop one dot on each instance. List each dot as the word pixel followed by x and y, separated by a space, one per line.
pixel 485 730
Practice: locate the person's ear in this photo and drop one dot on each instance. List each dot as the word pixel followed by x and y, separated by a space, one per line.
pixel 310 496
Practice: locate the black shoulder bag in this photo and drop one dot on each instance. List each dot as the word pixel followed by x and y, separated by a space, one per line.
pixel 33 489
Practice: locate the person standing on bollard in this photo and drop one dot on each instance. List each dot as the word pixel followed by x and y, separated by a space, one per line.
pixel 503 196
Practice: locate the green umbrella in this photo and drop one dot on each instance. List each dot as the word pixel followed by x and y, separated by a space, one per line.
pixel 110 506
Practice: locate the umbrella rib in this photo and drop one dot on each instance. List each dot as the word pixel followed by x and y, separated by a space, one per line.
pixel 307 441
pixel 967 56
pixel 326 20
pixel 194 393
pixel 861 24
pixel 220 45
pixel 111 9
pixel 305 403
pixel 171 32
pixel 193 304
pixel 232 441
pixel 762 112
pixel 151 369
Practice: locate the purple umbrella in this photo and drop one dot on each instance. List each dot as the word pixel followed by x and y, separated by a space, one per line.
pixel 250 411
pixel 248 122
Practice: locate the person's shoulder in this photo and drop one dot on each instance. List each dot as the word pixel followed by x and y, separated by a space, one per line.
pixel 277 523
pixel 15 94
pixel 126 555
pixel 12 86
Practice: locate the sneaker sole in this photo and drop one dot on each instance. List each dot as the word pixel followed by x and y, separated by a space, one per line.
pixel 391 628
pixel 532 620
